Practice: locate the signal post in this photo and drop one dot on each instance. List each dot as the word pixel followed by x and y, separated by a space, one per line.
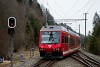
pixel 11 32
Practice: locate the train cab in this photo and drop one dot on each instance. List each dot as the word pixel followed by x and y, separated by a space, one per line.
pixel 54 42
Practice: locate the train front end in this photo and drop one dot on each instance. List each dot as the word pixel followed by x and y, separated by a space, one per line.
pixel 49 43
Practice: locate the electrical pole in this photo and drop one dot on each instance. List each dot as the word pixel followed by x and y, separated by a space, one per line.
pixel 79 36
pixel 85 23
pixel 12 48
pixel 85 29
pixel 79 29
pixel 46 24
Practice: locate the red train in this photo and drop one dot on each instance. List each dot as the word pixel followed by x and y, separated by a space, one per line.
pixel 57 42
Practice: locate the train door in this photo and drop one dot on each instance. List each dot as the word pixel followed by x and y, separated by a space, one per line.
pixel 71 42
pixel 65 43
pixel 77 41
pixel 68 41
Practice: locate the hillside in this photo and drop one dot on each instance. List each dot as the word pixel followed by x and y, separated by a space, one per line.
pixel 29 17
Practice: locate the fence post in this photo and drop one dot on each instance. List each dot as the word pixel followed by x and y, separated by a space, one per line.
pixel 31 52
pixel 21 57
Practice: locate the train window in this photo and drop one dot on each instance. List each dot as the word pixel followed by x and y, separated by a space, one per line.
pixel 50 37
pixel 72 42
pixel 63 38
pixel 78 41
pixel 66 39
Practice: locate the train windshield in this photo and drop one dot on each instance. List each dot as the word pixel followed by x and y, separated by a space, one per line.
pixel 50 37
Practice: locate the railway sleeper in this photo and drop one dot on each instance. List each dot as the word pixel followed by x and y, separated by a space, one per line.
pixel 81 61
pixel 90 57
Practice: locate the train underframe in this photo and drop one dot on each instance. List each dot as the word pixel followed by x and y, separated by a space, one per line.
pixel 54 54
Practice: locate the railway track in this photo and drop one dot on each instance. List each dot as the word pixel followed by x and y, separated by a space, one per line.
pixel 85 59
pixel 44 63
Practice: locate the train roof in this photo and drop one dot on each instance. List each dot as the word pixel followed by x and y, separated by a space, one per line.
pixel 57 28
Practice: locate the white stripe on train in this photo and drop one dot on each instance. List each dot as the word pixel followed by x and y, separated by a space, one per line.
pixel 70 50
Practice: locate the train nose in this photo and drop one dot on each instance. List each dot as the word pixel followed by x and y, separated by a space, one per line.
pixel 49 54
pixel 49 49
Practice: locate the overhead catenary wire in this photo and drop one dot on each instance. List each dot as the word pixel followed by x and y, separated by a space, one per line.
pixel 46 3
pixel 52 9
pixel 86 7
pixel 59 7
pixel 82 8
pixel 91 6
pixel 72 7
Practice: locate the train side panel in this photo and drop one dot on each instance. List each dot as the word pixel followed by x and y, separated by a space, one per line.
pixel 72 44
pixel 69 43
pixel 64 43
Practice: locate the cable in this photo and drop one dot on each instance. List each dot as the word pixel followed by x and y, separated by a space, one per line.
pixel 72 7
pixel 90 6
pixel 82 8
pixel 52 9
pixel 58 6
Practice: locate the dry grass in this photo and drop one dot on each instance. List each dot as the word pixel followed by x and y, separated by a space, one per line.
pixel 5 63
pixel 26 55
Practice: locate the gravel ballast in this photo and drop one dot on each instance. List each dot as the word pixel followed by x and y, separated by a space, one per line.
pixel 65 62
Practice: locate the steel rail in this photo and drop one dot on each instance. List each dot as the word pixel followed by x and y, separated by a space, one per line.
pixel 39 62
pixel 49 63
pixel 93 62
pixel 85 60
pixel 80 61
pixel 90 58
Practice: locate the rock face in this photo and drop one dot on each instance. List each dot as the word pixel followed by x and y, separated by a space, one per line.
pixel 22 10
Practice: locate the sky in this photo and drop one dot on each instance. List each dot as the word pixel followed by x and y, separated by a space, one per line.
pixel 73 9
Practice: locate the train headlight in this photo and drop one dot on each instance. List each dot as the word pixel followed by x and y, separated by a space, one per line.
pixel 56 49
pixel 41 49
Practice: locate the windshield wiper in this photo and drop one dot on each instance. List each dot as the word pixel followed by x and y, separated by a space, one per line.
pixel 54 40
